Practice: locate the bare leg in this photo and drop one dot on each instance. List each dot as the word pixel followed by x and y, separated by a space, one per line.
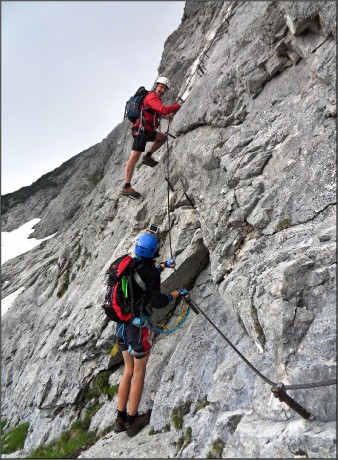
pixel 160 139
pixel 130 165
pixel 137 385
pixel 124 386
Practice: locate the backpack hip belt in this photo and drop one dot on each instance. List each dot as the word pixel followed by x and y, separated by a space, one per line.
pixel 141 322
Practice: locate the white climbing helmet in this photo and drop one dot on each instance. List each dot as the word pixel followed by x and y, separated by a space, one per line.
pixel 164 81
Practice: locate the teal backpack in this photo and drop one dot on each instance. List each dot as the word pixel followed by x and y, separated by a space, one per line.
pixel 133 106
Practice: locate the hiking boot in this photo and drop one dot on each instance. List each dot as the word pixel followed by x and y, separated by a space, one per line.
pixel 149 161
pixel 119 425
pixel 129 191
pixel 140 422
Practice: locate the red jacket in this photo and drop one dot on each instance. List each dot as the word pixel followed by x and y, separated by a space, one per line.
pixel 152 119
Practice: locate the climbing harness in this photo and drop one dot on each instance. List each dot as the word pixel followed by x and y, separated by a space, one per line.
pixel 278 389
pixel 160 328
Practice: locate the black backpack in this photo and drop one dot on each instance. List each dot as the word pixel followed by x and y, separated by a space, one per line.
pixel 119 298
pixel 133 106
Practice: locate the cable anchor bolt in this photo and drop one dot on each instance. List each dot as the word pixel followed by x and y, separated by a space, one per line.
pixel 191 304
pixel 280 393
pixel 171 135
pixel 170 186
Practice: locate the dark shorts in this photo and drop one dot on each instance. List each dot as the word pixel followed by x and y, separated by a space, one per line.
pixel 131 340
pixel 141 138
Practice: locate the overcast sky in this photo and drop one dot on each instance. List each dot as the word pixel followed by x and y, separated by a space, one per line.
pixel 67 69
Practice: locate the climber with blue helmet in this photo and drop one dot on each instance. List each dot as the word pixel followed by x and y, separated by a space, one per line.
pixel 136 336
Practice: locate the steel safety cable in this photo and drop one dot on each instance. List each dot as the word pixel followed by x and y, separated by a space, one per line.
pixel 263 377
pixel 200 59
pixel 168 194
pixel 168 208
pixel 180 284
pixel 303 386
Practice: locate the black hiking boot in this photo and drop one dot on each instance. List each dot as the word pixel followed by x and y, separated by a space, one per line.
pixel 119 425
pixel 140 422
pixel 130 192
pixel 149 161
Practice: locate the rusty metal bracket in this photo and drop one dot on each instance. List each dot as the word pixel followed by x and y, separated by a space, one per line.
pixel 280 393
pixel 170 186
pixel 191 304
pixel 168 134
pixel 187 197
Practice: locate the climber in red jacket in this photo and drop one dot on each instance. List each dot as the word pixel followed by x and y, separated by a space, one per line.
pixel 145 130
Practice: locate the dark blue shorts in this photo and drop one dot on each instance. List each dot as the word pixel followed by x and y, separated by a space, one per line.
pixel 141 138
pixel 137 340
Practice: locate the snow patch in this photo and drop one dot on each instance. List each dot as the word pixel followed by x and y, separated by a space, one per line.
pixel 16 242
pixel 8 301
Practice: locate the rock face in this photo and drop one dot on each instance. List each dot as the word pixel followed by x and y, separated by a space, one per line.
pixel 255 155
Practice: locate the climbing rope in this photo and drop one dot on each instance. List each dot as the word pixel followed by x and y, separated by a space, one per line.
pixel 278 389
pixel 162 328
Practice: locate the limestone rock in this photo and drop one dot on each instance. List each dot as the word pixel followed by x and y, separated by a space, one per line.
pixel 251 222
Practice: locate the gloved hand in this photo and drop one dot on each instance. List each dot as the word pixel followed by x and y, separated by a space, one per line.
pixel 182 292
pixel 170 263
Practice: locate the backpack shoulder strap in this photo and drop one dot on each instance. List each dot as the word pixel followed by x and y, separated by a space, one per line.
pixel 123 265
pixel 135 265
pixel 140 281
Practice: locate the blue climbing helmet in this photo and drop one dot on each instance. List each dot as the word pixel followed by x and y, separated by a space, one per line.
pixel 146 246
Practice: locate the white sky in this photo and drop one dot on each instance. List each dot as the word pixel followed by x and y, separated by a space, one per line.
pixel 67 69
